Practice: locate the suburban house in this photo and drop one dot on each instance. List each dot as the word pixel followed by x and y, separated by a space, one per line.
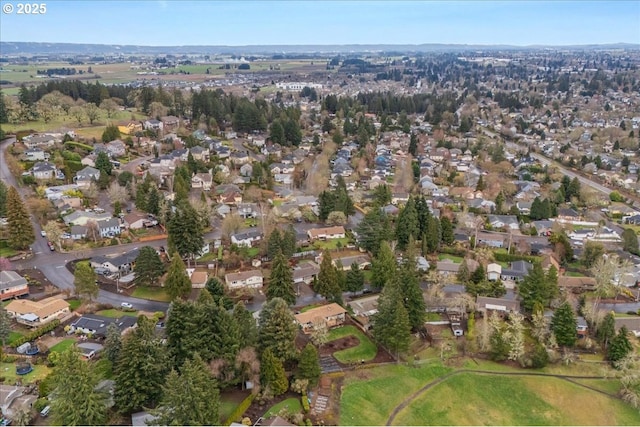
pixel 134 221
pixel 304 273
pixel 38 313
pixel 577 284
pixel 15 398
pixel 447 267
pixel 244 279
pixel 109 227
pixel 568 215
pixel 248 210
pixel 202 180
pixel 331 315
pixel 325 233
pixel 198 278
pixel 494 271
pixel 239 157
pixel 82 217
pixel 364 308
pixel 632 324
pixel 36 154
pixel 130 128
pixel 363 261
pixel 508 304
pixel 86 176
pixel 246 238
pixel 121 263
pixel 78 232
pixel 12 285
pixel 97 325
pixel 492 240
pixel 200 153
pixel 39 140
pixel 516 271
pixel 44 170
pixel 170 123
pixel 116 148
pixel 153 124
pixel 504 221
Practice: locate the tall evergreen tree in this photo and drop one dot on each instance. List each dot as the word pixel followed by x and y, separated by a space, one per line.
pixel 75 400
pixel 103 163
pixel 407 225
pixel 3 197
pixel 177 283
pixel 391 325
pixel 246 324
pixel 309 365
pixel 281 280
pixel 112 343
pixel 5 326
pixel 354 279
pixel 423 214
pixel 84 280
pixel 289 241
pixel 189 398
pixel 620 346
pixel 20 230
pixel 536 287
pixel 274 244
pixel 141 369
pixel 148 267
pixel 374 228
pixel 413 144
pixel 216 289
pixel 433 234
pixel 563 325
pixel 185 230
pixel 447 231
pixel 328 284
pixel 409 286
pixel 278 329
pixel 383 266
pixel 272 374
pixel 607 329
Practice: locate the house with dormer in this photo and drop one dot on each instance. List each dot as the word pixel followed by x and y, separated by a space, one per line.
pixel 44 170
pixel 202 180
pixel 86 176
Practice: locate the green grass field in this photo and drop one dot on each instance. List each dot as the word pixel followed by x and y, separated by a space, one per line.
pixel 63 345
pixel 8 371
pixel 5 250
pixel 13 337
pixel 153 294
pixel 74 304
pixel 369 395
pixel 292 405
pixel 473 399
pixel 115 313
pixel 451 257
pixel 331 244
pixel 366 350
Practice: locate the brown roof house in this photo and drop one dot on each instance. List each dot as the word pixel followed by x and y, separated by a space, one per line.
pixel 508 304
pixel 38 313
pixel 198 278
pixel 325 233
pixel 330 314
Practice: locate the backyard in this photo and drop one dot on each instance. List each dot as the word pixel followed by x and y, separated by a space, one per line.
pixel 292 406
pixel 62 345
pixel 8 372
pixel 365 350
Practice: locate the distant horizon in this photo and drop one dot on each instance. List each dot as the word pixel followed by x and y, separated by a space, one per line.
pixel 167 23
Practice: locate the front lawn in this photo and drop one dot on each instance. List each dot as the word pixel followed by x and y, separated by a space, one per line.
pixel 62 345
pixel 114 313
pixel 453 258
pixel 366 350
pixel 292 405
pixel 5 250
pixel 8 372
pixel 153 294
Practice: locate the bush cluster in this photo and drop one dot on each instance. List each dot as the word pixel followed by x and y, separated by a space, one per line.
pixel 240 409
pixel 37 333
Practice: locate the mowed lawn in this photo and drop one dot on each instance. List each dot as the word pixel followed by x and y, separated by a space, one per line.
pixel 8 371
pixel 292 405
pixel 116 314
pixel 153 294
pixel 62 345
pixel 366 350
pixel 476 399
pixel 369 395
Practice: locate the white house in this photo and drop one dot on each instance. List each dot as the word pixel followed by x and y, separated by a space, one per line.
pixel 325 233
pixel 36 154
pixel 247 238
pixel 244 279
pixel 44 170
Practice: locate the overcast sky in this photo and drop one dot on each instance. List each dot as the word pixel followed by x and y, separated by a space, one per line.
pixel 237 23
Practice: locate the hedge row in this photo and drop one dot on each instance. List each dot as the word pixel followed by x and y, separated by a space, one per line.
pixel 305 403
pixel 36 333
pixel 240 409
pixel 502 257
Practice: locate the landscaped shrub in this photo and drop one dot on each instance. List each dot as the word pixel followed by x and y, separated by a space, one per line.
pixel 36 333
pixel 240 409
pixel 40 404
pixel 308 422
pixel 502 257
pixel 305 403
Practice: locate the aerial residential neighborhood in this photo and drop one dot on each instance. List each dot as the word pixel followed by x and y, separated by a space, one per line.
pixel 331 234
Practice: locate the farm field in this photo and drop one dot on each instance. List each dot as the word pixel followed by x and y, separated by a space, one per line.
pixel 475 399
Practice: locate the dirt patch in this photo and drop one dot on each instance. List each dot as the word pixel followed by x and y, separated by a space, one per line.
pixel 339 344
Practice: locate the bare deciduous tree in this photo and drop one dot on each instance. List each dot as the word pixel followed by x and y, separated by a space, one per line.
pixel 117 193
pixel 231 224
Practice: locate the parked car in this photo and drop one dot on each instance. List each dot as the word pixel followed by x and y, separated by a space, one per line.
pixel 51 246
pixel 43 233
pixel 126 305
